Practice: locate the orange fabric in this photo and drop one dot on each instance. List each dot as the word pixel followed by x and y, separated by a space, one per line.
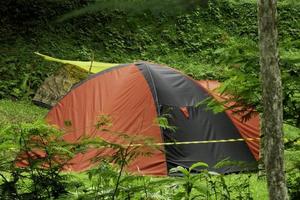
pixel 248 129
pixel 185 111
pixel 122 94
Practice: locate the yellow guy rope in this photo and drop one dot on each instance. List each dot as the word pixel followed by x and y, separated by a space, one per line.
pixel 198 142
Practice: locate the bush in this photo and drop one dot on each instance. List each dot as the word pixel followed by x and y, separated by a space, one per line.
pixel 29 166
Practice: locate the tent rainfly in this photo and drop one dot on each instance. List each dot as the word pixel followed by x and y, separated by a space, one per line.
pixel 134 96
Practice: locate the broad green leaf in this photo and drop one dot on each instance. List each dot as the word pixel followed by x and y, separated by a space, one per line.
pixel 214 173
pixel 180 169
pixel 85 65
pixel 198 164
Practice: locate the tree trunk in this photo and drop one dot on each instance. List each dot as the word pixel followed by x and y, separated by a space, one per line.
pixel 261 165
pixel 272 100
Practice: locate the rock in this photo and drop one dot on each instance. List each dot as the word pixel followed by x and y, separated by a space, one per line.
pixel 58 85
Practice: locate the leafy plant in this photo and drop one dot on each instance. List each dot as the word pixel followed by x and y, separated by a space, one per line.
pixel 32 157
pixel 163 122
pixel 107 175
pixel 189 181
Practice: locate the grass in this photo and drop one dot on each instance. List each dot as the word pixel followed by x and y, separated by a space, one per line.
pixel 235 183
pixel 258 187
pixel 12 112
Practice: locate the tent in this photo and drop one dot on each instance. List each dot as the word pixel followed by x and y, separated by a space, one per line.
pixel 134 96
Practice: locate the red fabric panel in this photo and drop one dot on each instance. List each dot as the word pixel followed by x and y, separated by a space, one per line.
pixel 185 112
pixel 248 129
pixel 124 95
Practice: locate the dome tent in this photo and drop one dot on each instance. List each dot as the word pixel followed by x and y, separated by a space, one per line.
pixel 134 96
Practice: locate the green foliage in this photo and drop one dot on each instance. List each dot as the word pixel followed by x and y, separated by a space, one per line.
pixel 32 156
pixel 16 112
pixel 134 7
pixel 99 181
pixel 200 41
pixel 292 159
pixel 214 42
pixel 107 175
pixel 104 178
pixel 293 184
pixel 163 123
pixel 291 135
pixel 241 77
pixel 211 185
pixel 189 181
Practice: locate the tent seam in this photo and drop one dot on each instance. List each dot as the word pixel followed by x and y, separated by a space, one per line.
pixel 154 88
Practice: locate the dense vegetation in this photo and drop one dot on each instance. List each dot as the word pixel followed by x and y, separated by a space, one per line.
pixel 213 41
pixel 99 182
pixel 218 41
pixel 24 119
